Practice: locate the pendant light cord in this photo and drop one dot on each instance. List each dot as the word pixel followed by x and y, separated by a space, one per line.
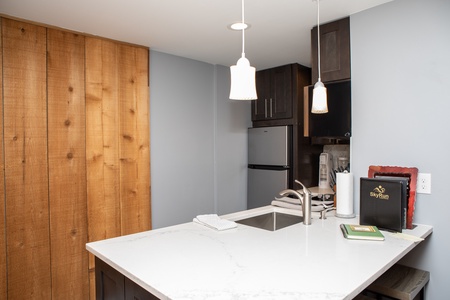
pixel 243 30
pixel 318 39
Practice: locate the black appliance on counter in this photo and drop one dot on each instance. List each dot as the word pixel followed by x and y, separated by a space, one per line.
pixel 335 126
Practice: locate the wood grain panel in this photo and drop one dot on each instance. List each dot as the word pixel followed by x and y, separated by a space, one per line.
pixel 25 146
pixel 143 141
pixel 3 274
pixel 134 140
pixel 102 140
pixel 67 165
pixel 75 144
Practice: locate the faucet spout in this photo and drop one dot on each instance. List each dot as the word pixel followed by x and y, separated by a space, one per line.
pixel 305 199
pixel 306 204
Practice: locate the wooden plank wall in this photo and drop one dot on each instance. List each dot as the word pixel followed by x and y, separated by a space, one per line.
pixel 26 174
pixel 67 164
pixel 117 140
pixel 134 139
pixel 102 143
pixel 76 156
pixel 102 139
pixel 2 189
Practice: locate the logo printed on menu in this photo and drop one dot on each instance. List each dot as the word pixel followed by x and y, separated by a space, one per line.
pixel 379 193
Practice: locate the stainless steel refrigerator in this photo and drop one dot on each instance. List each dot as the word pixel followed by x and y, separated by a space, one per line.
pixel 269 159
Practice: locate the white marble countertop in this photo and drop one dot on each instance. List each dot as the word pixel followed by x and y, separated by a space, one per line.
pixel 191 261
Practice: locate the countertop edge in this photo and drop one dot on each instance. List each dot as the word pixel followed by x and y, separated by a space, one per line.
pixel 420 230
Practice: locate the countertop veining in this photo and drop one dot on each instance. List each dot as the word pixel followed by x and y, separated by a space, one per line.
pixel 191 261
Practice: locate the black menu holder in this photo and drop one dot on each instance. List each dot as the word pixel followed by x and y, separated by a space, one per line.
pixel 381 203
pixel 405 194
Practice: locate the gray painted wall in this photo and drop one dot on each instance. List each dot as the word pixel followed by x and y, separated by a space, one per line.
pixel 233 117
pixel 401 103
pixel 198 141
pixel 400 106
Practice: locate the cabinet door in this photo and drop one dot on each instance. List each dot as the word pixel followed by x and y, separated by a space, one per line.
pixel 112 285
pixel 259 106
pixel 135 292
pixel 334 51
pixel 274 88
pixel 109 284
pixel 280 104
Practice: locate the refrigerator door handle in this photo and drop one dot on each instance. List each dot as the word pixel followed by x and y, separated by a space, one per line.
pixel 268 167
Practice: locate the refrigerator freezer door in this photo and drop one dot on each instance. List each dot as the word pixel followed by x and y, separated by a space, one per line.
pixel 269 146
pixel 264 186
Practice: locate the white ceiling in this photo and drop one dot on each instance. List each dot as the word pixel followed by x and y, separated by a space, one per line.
pixel 196 29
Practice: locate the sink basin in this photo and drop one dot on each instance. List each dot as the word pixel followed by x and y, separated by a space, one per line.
pixel 271 221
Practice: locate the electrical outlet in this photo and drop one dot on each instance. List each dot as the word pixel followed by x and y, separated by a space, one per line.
pixel 424 183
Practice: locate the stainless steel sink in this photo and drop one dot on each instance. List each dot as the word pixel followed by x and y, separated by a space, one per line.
pixel 271 221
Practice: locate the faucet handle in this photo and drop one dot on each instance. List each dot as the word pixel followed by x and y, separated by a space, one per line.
pixel 323 213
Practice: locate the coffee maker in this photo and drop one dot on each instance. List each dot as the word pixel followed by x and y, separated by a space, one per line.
pixel 325 169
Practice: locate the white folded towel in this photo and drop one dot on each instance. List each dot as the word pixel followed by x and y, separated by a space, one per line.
pixel 215 222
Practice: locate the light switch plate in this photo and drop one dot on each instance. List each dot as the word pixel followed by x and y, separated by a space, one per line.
pixel 424 183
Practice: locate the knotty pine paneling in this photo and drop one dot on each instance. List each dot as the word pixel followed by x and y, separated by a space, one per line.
pixel 76 155
pixel 25 150
pixel 117 140
pixel 3 274
pixel 134 140
pixel 67 164
pixel 102 139
pixel 117 144
pixel 103 202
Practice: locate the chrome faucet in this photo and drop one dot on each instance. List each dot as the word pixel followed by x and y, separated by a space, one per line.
pixel 305 200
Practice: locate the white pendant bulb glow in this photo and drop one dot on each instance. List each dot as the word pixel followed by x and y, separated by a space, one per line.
pixel 243 86
pixel 319 102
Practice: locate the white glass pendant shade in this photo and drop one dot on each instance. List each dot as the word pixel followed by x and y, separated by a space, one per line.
pixel 319 102
pixel 243 85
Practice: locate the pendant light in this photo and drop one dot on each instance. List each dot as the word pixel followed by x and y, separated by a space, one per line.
pixel 319 102
pixel 243 85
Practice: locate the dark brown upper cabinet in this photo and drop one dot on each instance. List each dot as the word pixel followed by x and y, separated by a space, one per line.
pixel 274 89
pixel 334 51
pixel 280 95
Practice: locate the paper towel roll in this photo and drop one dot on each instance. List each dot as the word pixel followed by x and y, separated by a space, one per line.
pixel 344 195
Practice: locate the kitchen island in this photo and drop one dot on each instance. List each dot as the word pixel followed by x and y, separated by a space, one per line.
pixel 191 261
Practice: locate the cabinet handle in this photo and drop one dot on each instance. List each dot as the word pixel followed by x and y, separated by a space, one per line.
pixel 271 115
pixel 265 108
pixel 256 106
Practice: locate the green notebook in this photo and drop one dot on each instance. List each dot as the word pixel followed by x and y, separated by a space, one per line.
pixel 361 232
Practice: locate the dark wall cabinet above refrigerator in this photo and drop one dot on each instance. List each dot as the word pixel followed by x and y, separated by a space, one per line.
pixel 274 89
pixel 280 95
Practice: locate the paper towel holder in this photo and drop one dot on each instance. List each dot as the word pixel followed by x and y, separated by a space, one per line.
pixel 346 214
